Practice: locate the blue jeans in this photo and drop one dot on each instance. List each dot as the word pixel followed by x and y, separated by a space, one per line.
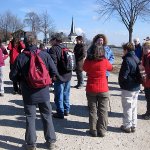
pixel 46 115
pixel 62 94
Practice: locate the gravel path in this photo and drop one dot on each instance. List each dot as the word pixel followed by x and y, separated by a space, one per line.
pixel 72 131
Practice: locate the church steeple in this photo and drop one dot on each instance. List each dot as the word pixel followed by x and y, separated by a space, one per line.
pixel 72 34
pixel 72 27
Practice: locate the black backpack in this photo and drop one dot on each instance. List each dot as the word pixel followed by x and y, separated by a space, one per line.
pixel 68 59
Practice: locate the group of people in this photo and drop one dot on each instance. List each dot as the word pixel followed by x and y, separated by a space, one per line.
pixel 100 58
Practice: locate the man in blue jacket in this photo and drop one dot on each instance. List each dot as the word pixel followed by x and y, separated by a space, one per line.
pixel 138 48
pixel 33 97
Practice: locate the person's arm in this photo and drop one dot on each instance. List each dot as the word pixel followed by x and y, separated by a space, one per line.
pixel 5 53
pixel 85 65
pixel 52 53
pixel 124 71
pixel 52 68
pixel 109 65
pixel 14 74
pixel 109 54
pixel 10 46
pixel 83 53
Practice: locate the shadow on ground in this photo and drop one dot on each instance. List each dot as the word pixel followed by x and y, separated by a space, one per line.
pixel 6 142
pixel 8 82
pixel 8 90
pixel 115 83
pixel 115 114
pixel 76 110
pixel 113 129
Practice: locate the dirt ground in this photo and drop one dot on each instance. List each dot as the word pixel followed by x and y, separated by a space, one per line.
pixel 72 131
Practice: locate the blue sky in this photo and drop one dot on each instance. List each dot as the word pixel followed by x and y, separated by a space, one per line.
pixel 85 18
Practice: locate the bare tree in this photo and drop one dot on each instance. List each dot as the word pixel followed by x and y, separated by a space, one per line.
pixel 87 42
pixel 47 25
pixel 127 10
pixel 32 19
pixel 9 23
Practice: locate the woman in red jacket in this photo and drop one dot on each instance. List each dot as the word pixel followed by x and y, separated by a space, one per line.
pixel 15 46
pixel 97 91
pixel 146 84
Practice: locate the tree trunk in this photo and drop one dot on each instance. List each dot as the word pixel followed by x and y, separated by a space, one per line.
pixel 130 34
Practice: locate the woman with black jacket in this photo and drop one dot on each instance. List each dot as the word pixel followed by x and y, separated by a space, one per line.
pixel 130 88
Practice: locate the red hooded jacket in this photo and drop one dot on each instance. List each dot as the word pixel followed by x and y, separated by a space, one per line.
pixel 15 51
pixel 96 72
pixel 146 64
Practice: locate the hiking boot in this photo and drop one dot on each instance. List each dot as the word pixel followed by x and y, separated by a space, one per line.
pixel 127 130
pixel 142 91
pixel 1 94
pixel 66 113
pixel 19 92
pixel 133 129
pixel 15 92
pixel 93 133
pixel 80 86
pixel 30 147
pixel 56 115
pixel 146 116
pixel 50 145
pixel 101 134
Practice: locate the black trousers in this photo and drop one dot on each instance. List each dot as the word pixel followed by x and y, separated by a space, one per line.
pixel 46 115
pixel 147 96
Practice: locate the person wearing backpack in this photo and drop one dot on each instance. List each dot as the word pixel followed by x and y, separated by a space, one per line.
pixel 3 56
pixel 79 51
pixel 129 88
pixel 35 92
pixel 61 86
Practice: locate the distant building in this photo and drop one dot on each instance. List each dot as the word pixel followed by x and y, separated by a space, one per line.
pixel 70 40
pixel 72 34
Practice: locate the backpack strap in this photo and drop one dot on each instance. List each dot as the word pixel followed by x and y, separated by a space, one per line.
pixel 27 53
pixel 34 52
pixel 62 51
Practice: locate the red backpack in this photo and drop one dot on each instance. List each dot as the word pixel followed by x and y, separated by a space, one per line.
pixel 38 75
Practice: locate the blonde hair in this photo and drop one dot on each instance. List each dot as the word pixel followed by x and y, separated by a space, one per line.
pixel 128 46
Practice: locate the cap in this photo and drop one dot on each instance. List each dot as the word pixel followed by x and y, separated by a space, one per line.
pixel 147 38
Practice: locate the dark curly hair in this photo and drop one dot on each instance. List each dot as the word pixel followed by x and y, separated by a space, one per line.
pixel 79 38
pixel 100 36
